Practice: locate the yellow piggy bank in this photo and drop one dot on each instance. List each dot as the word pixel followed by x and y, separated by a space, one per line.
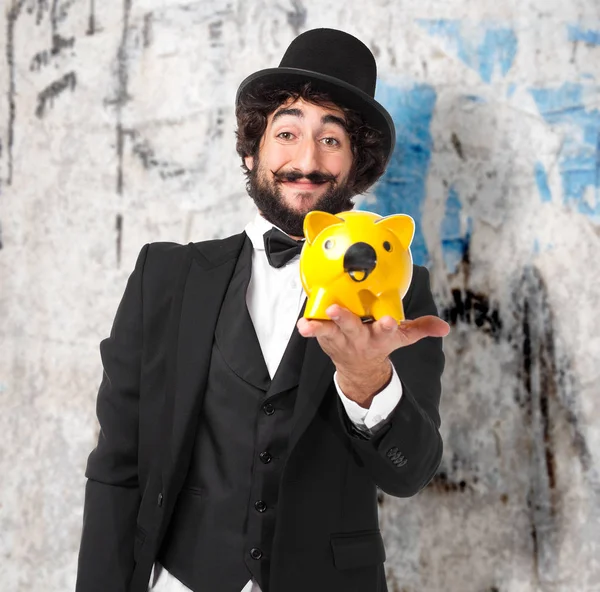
pixel 358 260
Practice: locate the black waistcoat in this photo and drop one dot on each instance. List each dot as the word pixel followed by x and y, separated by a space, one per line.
pixel 224 520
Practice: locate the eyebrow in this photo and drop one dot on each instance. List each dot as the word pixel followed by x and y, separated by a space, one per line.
pixel 299 113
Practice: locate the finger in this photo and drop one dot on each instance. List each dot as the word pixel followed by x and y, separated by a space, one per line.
pixel 315 328
pixel 428 326
pixel 349 323
pixel 411 331
pixel 384 328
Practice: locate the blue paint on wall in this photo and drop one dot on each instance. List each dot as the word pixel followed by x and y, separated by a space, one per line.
pixel 578 33
pixel 499 47
pixel 402 187
pixel 454 242
pixel 487 49
pixel 579 159
pixel 541 178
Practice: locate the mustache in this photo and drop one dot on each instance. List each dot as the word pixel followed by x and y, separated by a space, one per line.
pixel 314 177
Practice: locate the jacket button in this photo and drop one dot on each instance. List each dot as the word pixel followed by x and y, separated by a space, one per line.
pixel 159 501
pixel 392 451
pixel 265 457
pixel 260 506
pixel 268 409
pixel 255 553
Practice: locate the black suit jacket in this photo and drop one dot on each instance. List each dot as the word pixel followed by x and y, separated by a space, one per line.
pixel 156 361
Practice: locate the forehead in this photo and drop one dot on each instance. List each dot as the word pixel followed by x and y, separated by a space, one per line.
pixel 304 111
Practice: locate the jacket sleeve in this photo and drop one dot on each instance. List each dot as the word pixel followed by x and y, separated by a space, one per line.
pixel 112 495
pixel 404 454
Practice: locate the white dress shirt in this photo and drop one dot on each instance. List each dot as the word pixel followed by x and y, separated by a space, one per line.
pixel 274 298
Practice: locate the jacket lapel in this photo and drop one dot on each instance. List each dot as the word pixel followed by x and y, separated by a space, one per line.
pixel 315 378
pixel 235 334
pixel 203 281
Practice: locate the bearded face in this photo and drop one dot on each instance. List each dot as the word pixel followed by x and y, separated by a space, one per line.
pixel 304 163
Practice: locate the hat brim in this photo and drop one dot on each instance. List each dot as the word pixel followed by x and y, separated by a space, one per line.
pixel 341 93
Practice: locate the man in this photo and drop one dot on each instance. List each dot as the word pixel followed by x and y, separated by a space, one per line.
pixel 241 446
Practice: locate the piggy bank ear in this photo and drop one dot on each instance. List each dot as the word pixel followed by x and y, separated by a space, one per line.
pixel 316 221
pixel 402 225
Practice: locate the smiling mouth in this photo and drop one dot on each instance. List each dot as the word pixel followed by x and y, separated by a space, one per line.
pixel 304 186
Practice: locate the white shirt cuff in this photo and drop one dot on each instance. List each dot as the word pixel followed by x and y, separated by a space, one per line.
pixel 382 406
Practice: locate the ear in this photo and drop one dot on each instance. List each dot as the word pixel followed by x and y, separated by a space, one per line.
pixel 249 160
pixel 316 221
pixel 402 225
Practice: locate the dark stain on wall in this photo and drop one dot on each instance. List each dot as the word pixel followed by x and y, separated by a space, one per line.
pixel 11 20
pixel 215 129
pixel 42 7
pixel 119 229
pixel 122 96
pixel 147 29
pixel 91 30
pixel 119 101
pixel 42 58
pixel 296 18
pixel 547 384
pixel 445 484
pixel 473 308
pixel 548 398
pixel 574 51
pixel 456 143
pixel 120 139
pixel 215 33
pixel 60 11
pixel 455 475
pixel 59 43
pixel 533 533
pixel 47 96
pixel 142 148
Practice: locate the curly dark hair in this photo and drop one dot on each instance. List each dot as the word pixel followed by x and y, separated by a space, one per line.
pixel 253 109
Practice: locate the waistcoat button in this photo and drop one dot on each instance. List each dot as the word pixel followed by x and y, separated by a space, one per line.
pixel 255 553
pixel 265 457
pixel 269 409
pixel 260 506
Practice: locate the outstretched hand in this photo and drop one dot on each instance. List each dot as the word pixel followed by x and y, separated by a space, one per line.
pixel 360 350
pixel 349 342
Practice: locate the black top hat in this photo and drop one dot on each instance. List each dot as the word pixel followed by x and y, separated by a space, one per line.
pixel 337 63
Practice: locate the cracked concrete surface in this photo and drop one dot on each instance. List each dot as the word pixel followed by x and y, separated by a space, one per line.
pixel 117 129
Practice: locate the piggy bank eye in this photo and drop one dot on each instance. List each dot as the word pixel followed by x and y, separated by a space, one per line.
pixel 387 246
pixel 328 244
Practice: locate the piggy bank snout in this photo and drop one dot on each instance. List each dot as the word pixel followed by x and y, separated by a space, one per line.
pixel 359 261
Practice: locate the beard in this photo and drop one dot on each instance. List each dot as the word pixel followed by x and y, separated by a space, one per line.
pixel 269 198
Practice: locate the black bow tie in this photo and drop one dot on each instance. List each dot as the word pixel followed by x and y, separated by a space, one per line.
pixel 280 247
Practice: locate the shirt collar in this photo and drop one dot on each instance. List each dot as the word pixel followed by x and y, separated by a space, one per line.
pixel 256 228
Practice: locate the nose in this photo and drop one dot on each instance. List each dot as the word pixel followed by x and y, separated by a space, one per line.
pixel 359 261
pixel 306 159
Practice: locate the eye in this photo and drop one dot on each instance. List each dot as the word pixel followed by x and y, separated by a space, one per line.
pixel 387 246
pixel 333 142
pixel 289 134
pixel 329 244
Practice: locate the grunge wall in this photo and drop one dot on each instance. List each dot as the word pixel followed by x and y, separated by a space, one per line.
pixel 117 129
